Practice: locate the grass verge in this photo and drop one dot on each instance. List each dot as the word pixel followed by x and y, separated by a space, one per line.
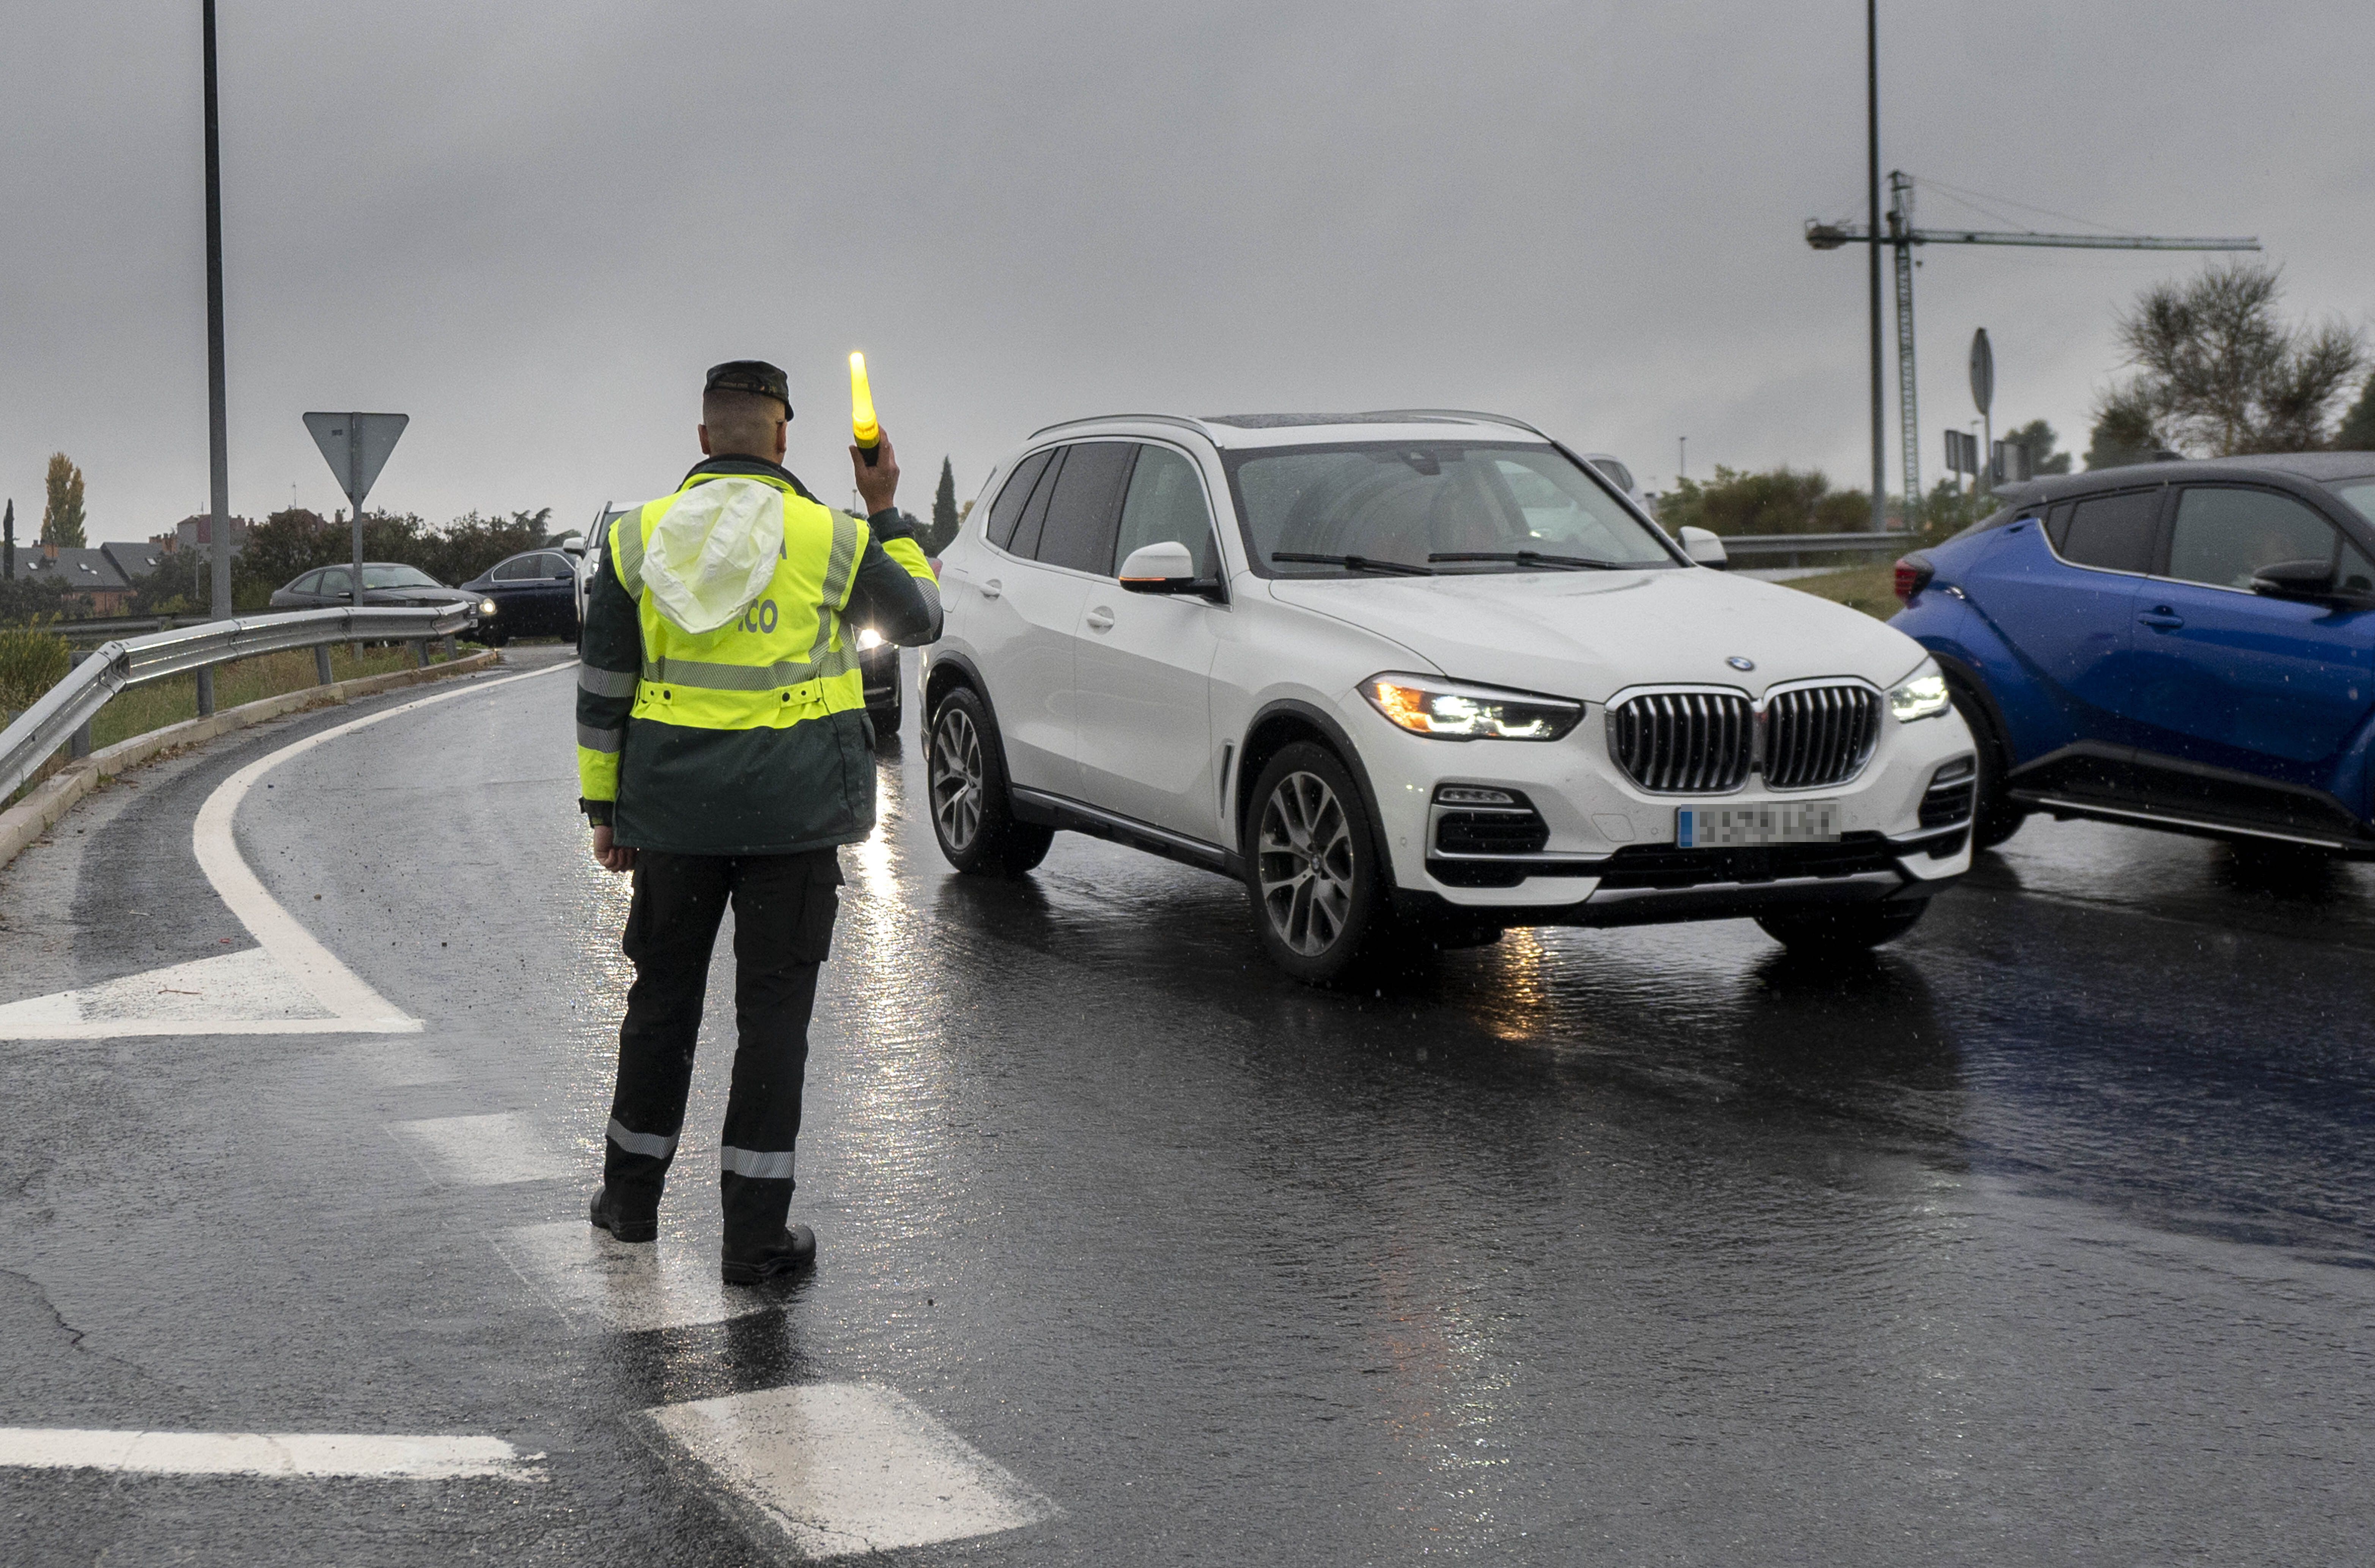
pixel 169 701
pixel 1871 589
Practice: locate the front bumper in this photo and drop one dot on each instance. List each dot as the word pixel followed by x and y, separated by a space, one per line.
pixel 1606 853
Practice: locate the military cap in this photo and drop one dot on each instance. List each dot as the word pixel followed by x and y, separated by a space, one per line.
pixel 751 376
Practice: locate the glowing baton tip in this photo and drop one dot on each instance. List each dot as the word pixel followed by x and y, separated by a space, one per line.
pixel 862 427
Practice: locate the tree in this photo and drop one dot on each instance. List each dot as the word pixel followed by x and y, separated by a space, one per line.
pixel 62 513
pixel 2357 430
pixel 2040 439
pixel 2219 373
pixel 1780 501
pixel 944 511
pixel 2124 432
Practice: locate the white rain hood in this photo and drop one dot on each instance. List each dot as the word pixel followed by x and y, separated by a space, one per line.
pixel 714 551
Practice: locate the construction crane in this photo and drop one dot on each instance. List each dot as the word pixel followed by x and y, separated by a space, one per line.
pixel 1901 237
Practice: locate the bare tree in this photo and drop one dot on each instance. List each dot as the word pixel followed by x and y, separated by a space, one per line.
pixel 2220 373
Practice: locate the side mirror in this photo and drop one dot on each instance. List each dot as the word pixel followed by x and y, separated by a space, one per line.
pixel 2294 580
pixel 1164 568
pixel 1705 549
pixel 574 544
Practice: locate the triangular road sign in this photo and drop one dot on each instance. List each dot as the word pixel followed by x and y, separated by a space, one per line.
pixel 356 446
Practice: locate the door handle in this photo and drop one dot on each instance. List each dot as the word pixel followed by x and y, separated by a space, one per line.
pixel 989 588
pixel 2162 618
pixel 1100 619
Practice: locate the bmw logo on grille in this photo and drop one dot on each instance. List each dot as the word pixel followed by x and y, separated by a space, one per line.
pixel 1736 662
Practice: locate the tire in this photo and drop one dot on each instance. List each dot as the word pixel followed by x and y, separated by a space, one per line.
pixel 1993 817
pixel 972 817
pixel 1312 878
pixel 1843 929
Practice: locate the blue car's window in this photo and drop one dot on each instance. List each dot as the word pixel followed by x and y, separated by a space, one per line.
pixel 2114 532
pixel 2356 573
pixel 2222 537
pixel 2057 526
pixel 2360 494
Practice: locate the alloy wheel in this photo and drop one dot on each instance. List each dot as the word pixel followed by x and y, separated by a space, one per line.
pixel 1303 857
pixel 956 778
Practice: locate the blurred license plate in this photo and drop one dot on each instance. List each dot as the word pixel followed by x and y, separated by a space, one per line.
pixel 1720 827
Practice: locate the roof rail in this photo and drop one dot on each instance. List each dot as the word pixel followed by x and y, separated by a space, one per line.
pixel 1196 425
pixel 1468 413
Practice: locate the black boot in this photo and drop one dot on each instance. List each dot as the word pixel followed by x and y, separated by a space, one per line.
pixel 788 1254
pixel 608 1213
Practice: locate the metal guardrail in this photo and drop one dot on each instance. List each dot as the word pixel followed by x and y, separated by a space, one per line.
pixel 61 712
pixel 100 629
pixel 1762 547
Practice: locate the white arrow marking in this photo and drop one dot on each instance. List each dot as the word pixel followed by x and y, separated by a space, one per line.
pixel 293 970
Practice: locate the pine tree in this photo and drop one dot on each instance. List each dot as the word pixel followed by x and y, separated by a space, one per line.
pixel 62 513
pixel 2357 431
pixel 944 511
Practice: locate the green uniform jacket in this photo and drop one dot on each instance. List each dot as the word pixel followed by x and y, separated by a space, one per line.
pixel 759 788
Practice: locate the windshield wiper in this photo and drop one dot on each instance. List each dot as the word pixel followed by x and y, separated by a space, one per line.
pixel 1531 557
pixel 1357 562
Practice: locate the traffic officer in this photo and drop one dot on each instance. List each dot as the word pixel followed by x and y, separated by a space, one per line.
pixel 723 753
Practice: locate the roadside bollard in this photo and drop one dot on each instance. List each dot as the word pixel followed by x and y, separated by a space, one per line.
pixel 322 664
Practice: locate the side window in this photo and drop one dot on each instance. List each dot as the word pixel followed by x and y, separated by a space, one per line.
pixel 2222 537
pixel 511 571
pixel 1086 510
pixel 2357 573
pixel 2057 526
pixel 308 583
pixel 1164 504
pixel 337 580
pixel 2114 532
pixel 1007 510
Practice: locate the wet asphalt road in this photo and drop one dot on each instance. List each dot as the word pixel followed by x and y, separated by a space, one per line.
pixel 2045 1236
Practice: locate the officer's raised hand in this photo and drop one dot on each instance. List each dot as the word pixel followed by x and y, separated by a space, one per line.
pixel 880 483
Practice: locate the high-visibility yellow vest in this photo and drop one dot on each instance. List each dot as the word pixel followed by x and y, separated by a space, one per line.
pixel 787 660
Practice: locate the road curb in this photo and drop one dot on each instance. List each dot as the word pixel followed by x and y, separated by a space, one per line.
pixel 39 811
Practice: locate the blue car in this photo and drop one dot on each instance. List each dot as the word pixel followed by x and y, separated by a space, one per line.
pixel 2186 645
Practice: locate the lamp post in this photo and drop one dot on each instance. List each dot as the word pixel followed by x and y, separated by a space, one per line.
pixel 217 418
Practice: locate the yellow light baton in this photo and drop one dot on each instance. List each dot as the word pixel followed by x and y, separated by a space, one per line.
pixel 863 429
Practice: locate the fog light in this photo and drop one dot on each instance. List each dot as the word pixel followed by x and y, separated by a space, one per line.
pixel 486 607
pixel 868 639
pixel 1469 794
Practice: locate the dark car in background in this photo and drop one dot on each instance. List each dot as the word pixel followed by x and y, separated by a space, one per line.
pixel 531 595
pixel 385 583
pixel 2183 646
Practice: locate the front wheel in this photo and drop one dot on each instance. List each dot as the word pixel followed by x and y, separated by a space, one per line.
pixel 1318 895
pixel 1994 817
pixel 1842 928
pixel 972 817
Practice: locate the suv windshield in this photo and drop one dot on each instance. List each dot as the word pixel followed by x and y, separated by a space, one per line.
pixel 398 577
pixel 1406 506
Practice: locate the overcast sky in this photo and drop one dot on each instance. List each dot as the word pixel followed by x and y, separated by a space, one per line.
pixel 531 226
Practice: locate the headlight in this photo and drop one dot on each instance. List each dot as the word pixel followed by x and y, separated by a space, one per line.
pixel 1921 695
pixel 1450 710
pixel 486 607
pixel 868 639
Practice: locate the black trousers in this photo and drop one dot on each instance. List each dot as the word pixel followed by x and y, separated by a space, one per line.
pixel 783 908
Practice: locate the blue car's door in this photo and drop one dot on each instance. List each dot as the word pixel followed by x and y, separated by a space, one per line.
pixel 2233 679
pixel 2068 611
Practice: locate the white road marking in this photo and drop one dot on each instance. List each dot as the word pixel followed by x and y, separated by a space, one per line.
pixel 849 1468
pixel 357 1456
pixel 481 1151
pixel 299 986
pixel 597 1283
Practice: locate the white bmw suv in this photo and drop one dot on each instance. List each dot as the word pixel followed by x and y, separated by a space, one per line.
pixel 1420 677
